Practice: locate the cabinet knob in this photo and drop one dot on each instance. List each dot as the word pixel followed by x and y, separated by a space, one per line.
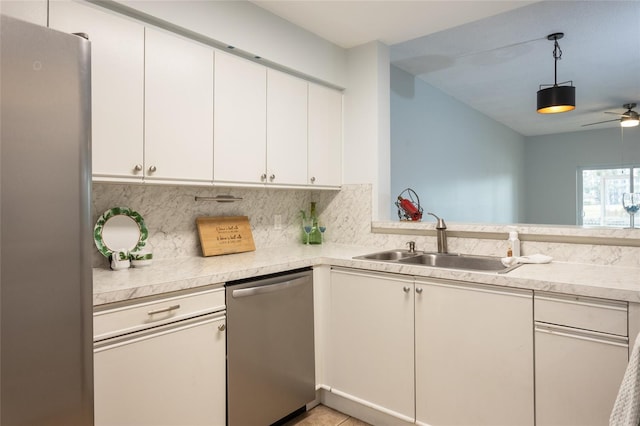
pixel 222 327
pixel 313 179
pixel 419 290
pixel 406 289
pixel 263 177
pixel 272 177
pixel 152 169
pixel 137 168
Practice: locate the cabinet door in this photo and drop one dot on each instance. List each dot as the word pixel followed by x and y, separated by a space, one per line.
pixel 325 136
pixel 577 375
pixel 474 355
pixel 286 129
pixel 34 11
pixel 370 355
pixel 174 376
pixel 178 108
pixel 117 90
pixel 240 120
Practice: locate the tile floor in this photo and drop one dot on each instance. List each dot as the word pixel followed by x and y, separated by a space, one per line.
pixel 324 416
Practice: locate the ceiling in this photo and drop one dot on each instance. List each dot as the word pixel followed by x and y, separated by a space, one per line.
pixel 493 55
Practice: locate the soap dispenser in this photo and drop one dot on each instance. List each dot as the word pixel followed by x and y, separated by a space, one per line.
pixel 514 245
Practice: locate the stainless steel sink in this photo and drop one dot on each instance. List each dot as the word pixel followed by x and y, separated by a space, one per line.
pixel 456 261
pixel 389 255
pixel 441 260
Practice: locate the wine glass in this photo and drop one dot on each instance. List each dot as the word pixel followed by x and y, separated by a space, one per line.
pixel 631 203
pixel 322 227
pixel 307 226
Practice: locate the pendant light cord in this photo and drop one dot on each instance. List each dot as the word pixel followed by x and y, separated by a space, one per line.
pixel 557 54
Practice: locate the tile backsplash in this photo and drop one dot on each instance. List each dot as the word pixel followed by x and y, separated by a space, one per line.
pixel 170 213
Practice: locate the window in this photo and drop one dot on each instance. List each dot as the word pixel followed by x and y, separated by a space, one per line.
pixel 600 195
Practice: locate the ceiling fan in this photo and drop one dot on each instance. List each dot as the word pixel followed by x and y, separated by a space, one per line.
pixel 629 118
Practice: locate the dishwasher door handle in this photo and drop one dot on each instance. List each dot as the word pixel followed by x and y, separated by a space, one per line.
pixel 269 288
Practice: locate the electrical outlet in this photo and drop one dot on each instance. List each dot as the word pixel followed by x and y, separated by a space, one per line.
pixel 277 221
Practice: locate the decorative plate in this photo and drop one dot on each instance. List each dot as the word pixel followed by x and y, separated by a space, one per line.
pixel 120 228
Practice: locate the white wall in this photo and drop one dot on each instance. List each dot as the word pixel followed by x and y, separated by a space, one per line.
pixel 464 166
pixel 366 130
pixel 552 162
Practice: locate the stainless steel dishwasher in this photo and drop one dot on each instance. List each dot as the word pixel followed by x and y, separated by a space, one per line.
pixel 270 350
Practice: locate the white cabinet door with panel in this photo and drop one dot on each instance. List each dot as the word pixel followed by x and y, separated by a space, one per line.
pixel 474 354
pixel 581 353
pixel 161 361
pixel 117 86
pixel 173 376
pixel 325 136
pixel 240 120
pixel 370 353
pixel 286 129
pixel 178 109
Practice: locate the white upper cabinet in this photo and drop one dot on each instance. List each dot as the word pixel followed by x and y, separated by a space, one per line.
pixel 117 88
pixel 167 109
pixel 325 136
pixel 178 108
pixel 34 11
pixel 286 129
pixel 240 120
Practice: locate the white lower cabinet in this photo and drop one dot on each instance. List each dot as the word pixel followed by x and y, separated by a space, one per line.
pixel 473 354
pixel 429 351
pixel 370 354
pixel 171 371
pixel 581 353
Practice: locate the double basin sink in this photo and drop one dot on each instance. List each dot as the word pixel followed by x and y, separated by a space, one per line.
pixel 441 260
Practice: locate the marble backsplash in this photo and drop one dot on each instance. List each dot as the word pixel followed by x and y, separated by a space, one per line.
pixel 170 212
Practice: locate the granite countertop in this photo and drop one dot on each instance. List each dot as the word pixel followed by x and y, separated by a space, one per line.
pixel 165 275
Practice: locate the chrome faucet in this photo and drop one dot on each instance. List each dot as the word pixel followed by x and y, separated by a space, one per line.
pixel 441 229
pixel 412 246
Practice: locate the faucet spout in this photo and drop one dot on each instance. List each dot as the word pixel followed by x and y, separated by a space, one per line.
pixel 441 233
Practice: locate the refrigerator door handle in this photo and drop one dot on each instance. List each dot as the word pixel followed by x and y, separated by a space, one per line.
pixel 270 288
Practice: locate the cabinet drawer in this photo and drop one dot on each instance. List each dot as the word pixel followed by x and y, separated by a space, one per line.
pixel 137 316
pixel 605 316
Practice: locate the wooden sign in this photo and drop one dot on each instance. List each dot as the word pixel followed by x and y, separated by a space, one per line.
pixel 224 235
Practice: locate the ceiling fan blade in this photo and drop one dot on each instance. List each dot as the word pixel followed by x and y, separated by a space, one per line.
pixel 615 113
pixel 599 122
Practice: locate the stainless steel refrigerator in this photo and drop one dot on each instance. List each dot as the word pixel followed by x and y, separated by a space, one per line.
pixel 45 231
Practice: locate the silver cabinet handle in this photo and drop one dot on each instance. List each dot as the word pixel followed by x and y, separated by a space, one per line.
pixel 419 290
pixel 137 168
pixel 152 169
pixel 263 177
pixel 406 289
pixel 222 327
pixel 272 177
pixel 313 179
pixel 163 310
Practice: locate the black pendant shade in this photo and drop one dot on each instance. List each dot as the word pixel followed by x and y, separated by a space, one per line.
pixel 556 98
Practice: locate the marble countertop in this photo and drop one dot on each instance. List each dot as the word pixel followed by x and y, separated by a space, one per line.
pixel 164 276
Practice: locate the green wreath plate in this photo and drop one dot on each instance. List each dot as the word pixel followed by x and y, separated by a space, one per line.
pixel 120 228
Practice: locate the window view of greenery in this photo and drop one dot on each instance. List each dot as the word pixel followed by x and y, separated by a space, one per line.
pixel 602 190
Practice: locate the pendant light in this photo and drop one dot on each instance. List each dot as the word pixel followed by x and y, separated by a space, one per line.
pixel 556 98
